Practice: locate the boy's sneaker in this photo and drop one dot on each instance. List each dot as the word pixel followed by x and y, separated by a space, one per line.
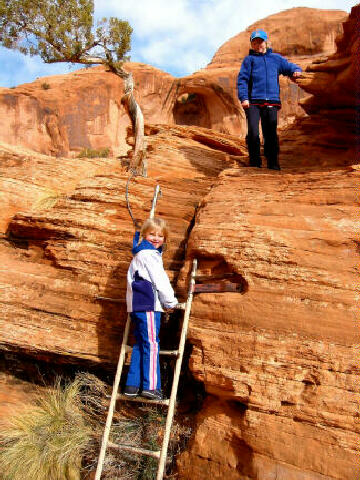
pixel 131 391
pixel 152 394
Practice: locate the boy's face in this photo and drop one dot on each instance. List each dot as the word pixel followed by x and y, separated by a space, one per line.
pixel 258 45
pixel 155 237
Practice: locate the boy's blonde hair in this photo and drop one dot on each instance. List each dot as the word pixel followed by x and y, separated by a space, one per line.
pixel 156 224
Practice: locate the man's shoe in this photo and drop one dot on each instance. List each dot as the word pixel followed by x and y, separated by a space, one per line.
pixel 152 394
pixel 131 391
pixel 274 167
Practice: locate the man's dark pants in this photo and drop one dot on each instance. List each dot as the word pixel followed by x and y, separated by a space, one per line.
pixel 268 117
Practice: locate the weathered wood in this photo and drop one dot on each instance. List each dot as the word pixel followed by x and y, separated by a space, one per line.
pixel 217 287
pixel 140 451
pixel 140 399
pixel 110 414
pixel 171 402
pixel 115 395
pixel 174 388
pixel 112 300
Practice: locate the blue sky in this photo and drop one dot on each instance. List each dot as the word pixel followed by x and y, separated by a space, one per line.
pixel 177 36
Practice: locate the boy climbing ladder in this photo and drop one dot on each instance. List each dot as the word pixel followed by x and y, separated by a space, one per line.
pixel 149 292
pixel 148 304
pixel 149 288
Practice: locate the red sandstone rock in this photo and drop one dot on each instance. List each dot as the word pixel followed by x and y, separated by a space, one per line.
pixel 282 376
pixel 334 80
pixel 278 362
pixel 70 239
pixel 295 32
pixel 64 114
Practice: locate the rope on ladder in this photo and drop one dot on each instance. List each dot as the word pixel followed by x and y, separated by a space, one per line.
pixel 132 174
pixel 157 192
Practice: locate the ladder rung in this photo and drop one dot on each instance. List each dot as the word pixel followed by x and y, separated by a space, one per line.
pixel 142 400
pixel 173 353
pixel 140 451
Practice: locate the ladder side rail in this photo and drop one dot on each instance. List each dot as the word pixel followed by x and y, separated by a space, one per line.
pixel 124 347
pixel 110 414
pixel 170 415
pixel 157 191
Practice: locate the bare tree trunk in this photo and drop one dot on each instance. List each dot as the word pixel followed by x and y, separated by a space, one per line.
pixel 138 162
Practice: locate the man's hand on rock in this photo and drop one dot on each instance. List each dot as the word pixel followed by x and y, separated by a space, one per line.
pixel 295 75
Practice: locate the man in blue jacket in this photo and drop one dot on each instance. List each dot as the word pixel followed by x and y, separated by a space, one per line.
pixel 259 94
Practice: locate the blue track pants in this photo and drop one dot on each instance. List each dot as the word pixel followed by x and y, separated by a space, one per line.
pixel 144 371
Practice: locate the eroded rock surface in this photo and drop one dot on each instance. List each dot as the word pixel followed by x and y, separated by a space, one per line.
pixel 65 114
pixel 282 374
pixel 70 238
pixel 62 115
pixel 278 361
pixel 298 31
pixel 333 81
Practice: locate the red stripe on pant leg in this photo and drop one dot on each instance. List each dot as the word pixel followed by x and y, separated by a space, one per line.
pixel 153 350
pixel 155 347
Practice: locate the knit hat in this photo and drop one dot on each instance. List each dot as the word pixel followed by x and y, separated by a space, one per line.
pixel 258 34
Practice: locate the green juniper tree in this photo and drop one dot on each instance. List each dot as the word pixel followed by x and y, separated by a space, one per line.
pixel 65 31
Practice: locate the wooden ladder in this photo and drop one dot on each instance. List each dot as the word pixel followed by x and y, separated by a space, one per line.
pixel 161 454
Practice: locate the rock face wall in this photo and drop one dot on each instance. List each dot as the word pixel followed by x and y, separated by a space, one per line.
pixel 64 114
pixel 278 361
pixel 67 237
pixel 295 32
pixel 61 114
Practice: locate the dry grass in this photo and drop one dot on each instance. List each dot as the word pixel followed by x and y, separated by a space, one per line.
pixel 58 437
pixel 47 199
pixel 46 440
pixel 94 153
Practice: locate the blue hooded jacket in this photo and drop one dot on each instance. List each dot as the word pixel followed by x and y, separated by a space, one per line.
pixel 258 79
pixel 148 286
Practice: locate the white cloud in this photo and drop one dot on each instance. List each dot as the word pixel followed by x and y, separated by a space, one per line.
pixel 178 36
pixel 181 36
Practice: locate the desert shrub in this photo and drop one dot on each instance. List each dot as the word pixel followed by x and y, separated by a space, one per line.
pixel 46 440
pixel 45 86
pixel 58 437
pixel 47 198
pixel 93 153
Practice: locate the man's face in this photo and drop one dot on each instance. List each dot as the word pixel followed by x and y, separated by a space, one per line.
pixel 258 45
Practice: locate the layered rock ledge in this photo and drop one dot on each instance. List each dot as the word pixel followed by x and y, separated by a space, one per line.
pixel 279 361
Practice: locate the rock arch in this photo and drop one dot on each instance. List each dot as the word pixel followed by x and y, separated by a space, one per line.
pixel 191 109
pixel 198 101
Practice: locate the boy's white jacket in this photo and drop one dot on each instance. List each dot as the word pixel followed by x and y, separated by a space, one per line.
pixel 147 268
